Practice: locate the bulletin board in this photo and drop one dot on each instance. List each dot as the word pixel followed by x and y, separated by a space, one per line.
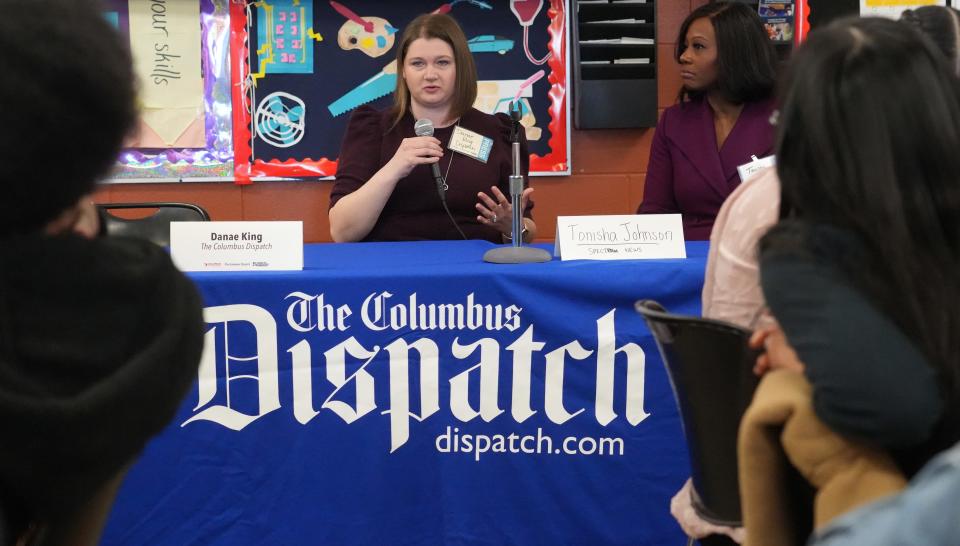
pixel 200 147
pixel 280 79
pixel 305 65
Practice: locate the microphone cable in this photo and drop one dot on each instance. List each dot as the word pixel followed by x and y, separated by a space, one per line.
pixel 443 200
pixel 424 127
pixel 452 219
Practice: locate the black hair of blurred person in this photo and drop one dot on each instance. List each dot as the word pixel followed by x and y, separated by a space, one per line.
pixel 747 60
pixel 942 25
pixel 869 130
pixel 67 101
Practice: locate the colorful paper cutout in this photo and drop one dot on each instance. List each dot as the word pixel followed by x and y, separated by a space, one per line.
pixel 351 16
pixel 495 97
pixel 372 35
pixel 537 76
pixel 284 31
pixel 526 11
pixel 313 35
pixel 488 43
pixel 374 44
pixel 380 85
pixel 280 119
pixel 448 7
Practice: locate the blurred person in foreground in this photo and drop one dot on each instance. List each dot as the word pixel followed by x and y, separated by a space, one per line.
pixel 99 338
pixel 861 274
pixel 731 287
pixel 942 25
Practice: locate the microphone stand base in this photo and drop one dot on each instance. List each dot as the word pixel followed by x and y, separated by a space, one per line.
pixel 516 255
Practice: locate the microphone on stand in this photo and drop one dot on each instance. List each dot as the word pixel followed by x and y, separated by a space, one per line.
pixel 517 253
pixel 424 127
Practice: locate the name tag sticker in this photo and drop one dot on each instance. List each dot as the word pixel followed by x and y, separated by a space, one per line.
pixel 749 169
pixel 470 144
pixel 620 237
pixel 237 246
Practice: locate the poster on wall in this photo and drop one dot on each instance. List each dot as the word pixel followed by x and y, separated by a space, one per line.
pixel 893 8
pixel 777 20
pixel 181 57
pixel 301 67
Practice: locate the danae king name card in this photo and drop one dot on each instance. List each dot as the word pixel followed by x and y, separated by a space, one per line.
pixel 237 246
pixel 620 237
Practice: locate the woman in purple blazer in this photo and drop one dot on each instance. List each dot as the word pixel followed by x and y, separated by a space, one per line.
pixel 722 120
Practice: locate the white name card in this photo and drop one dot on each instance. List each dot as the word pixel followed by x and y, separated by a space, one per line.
pixel 237 246
pixel 620 237
pixel 749 169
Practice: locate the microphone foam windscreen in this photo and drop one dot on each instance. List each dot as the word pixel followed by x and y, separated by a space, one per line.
pixel 423 127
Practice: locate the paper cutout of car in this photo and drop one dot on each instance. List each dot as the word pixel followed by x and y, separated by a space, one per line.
pixel 488 43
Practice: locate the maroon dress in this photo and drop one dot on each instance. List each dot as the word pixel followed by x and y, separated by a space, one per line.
pixel 687 174
pixel 414 211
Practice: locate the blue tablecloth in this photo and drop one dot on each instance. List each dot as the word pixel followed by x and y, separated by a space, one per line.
pixel 408 393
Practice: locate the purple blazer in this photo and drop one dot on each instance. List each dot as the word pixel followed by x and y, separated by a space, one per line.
pixel 687 174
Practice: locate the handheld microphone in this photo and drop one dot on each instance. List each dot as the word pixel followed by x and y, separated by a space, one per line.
pixel 424 127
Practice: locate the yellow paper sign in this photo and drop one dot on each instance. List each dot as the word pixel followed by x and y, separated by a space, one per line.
pixel 170 123
pixel 901 3
pixel 893 8
pixel 165 42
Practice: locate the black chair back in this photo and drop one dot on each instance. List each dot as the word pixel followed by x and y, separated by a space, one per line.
pixel 710 367
pixel 154 227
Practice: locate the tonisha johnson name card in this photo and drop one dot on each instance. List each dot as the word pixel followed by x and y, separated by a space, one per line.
pixel 237 246
pixel 620 237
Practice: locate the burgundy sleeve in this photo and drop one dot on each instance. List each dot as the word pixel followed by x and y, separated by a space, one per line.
pixel 658 189
pixel 359 153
